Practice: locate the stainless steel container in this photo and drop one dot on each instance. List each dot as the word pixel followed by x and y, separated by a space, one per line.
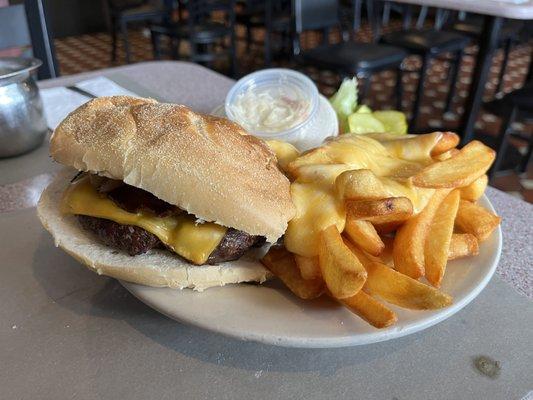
pixel 22 123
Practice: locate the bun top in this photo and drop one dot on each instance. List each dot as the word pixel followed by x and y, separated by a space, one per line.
pixel 206 165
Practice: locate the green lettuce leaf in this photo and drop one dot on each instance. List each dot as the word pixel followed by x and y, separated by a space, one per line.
pixel 344 102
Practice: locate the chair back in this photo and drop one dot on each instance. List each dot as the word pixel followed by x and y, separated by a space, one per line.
pixel 315 15
pixel 122 5
pixel 24 26
pixel 201 10
pixel 373 10
pixel 419 13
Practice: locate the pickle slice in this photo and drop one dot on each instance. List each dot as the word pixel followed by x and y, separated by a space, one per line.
pixel 364 123
pixel 363 109
pixel 393 121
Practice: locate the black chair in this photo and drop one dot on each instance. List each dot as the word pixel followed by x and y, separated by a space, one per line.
pixel 429 44
pixel 25 26
pixel 471 25
pixel 206 36
pixel 274 16
pixel 123 12
pixel 348 57
pixel 514 106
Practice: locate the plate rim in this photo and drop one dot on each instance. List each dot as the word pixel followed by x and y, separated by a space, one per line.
pixel 357 339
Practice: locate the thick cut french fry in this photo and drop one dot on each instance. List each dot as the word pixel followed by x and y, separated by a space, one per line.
pixel 360 184
pixel 380 211
pixel 342 272
pixel 281 263
pixel 386 254
pixel 403 291
pixel 372 311
pixel 309 267
pixel 474 219
pixel 285 152
pixel 476 189
pixel 396 288
pixel 446 155
pixel 363 234
pixel 438 239
pixel 326 173
pixel 447 141
pixel 408 252
pixel 463 245
pixel 469 164
pixel 388 227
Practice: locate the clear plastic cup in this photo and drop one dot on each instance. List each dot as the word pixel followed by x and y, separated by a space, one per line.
pixel 319 121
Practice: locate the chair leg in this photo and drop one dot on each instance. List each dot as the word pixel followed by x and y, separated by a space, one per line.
pixel 125 40
pixel 386 14
pixel 502 142
pixel 174 48
pixel 456 67
pixel 506 51
pixel 234 69
pixel 156 45
pixel 248 37
pixel 398 88
pixel 419 92
pixel 364 89
pixel 268 49
pixel 526 158
pixel 113 40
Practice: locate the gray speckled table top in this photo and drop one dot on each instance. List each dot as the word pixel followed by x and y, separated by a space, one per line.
pixel 68 333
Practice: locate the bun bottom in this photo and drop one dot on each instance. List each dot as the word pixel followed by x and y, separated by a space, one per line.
pixel 159 268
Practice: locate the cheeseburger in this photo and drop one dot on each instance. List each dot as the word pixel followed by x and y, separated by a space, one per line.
pixel 159 195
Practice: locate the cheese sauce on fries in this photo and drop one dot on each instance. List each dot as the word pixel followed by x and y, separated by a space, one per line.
pixel 319 202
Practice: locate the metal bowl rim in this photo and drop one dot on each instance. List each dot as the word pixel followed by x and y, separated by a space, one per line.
pixel 27 64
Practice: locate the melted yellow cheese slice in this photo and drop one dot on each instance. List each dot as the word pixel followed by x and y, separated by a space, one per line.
pixel 180 232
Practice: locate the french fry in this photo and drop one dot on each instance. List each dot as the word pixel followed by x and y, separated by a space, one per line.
pixel 408 252
pixel 281 263
pixel 447 141
pixel 309 267
pixel 380 211
pixel 463 245
pixel 396 288
pixel 403 291
pixel 387 227
pixel 319 172
pixel 446 155
pixel 438 239
pixel 469 164
pixel 386 254
pixel 474 219
pixel 415 147
pixel 363 234
pixel 372 311
pixel 476 189
pixel 315 156
pixel 285 152
pixel 360 184
pixel 342 272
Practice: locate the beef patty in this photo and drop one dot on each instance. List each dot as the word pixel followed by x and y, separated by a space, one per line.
pixel 136 240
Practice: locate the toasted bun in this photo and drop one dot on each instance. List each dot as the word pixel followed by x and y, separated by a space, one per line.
pixel 208 166
pixel 159 268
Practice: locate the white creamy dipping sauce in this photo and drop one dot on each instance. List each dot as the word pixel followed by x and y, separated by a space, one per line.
pixel 271 108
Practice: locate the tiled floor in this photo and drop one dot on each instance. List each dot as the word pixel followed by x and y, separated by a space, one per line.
pixel 89 52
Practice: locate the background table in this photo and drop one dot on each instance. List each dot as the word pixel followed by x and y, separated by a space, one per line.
pixel 66 332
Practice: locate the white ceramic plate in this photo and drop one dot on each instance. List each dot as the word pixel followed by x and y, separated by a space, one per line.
pixel 270 314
